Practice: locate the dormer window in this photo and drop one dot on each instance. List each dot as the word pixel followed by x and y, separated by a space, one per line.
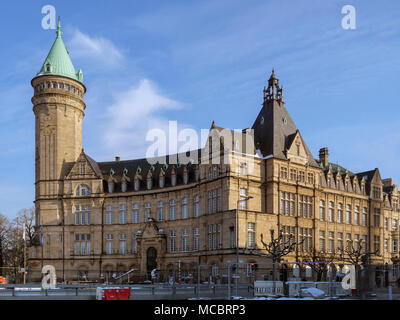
pixel 185 177
pixel 137 185
pixel 110 186
pixel 162 181
pixel 149 184
pixel 124 186
pixel 48 67
pixel 173 178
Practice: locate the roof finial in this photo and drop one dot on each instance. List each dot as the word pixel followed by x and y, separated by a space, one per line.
pixel 59 28
pixel 213 124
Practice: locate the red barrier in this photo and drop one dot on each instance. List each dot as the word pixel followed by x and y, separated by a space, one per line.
pixel 116 294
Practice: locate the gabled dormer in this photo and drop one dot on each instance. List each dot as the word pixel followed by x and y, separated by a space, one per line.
pixel 137 179
pixel 84 168
pixel 125 180
pixel 295 148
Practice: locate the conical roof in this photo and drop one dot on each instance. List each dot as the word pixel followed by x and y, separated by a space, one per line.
pixel 58 61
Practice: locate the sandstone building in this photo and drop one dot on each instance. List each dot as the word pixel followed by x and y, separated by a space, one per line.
pixel 98 218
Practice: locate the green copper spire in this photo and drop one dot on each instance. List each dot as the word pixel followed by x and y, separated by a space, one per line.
pixel 58 61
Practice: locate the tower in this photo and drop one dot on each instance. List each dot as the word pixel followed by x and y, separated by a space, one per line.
pixel 58 106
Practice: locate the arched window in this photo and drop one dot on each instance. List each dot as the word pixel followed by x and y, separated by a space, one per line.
pixel 83 190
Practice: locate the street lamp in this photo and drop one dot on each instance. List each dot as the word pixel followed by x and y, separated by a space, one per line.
pixel 237 237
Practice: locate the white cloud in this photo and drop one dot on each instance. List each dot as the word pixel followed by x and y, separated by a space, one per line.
pixel 133 113
pixel 99 49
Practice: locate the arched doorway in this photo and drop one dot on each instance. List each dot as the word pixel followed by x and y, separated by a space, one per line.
pixel 151 259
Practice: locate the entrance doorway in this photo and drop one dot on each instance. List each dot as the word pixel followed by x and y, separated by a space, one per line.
pixel 151 259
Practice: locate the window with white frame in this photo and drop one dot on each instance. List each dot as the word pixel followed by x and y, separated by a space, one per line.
pixel 395 245
pixel 287 204
pixel 147 211
pixel 135 213
pixel 243 198
pixel 322 241
pixel 331 242
pixel 82 244
pixel 305 206
pixel 122 214
pixel 172 210
pixel 340 213
pixel 185 237
pixel 122 243
pixel 251 228
pixel 109 244
pixel 172 241
pixel 340 241
pixel 160 211
pixel 109 214
pixel 83 214
pixel 83 190
pixel 196 206
pixel 356 241
pixel 331 216
pixel 196 239
pixel 348 240
pixel 185 210
pixel 322 210
pixel 394 224
pixel 357 215
pixel 348 214
pixel 365 217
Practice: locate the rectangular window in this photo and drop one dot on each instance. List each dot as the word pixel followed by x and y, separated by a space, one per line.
pixel 122 243
pixel 284 173
pixel 322 210
pixel 395 245
pixel 196 206
pixel 243 197
pixel 135 213
pixel 377 217
pixel 340 241
pixel 196 239
pixel 172 240
pixel 331 215
pixel 160 211
pixel 122 214
pixel 172 210
pixel 348 214
pixel 331 245
pixel 109 215
pixel 340 213
pixel 185 212
pixel 394 225
pixel 357 215
pixel 365 217
pixel 251 235
pixel 185 240
pixel 322 241
pixel 310 178
pixel 377 244
pixel 147 211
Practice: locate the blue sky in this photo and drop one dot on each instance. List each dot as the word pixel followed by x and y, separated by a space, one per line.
pixel 147 62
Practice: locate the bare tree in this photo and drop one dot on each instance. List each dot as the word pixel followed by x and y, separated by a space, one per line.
pixel 4 230
pixel 318 261
pixel 29 215
pixel 279 247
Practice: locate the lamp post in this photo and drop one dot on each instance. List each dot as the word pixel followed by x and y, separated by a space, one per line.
pixel 237 238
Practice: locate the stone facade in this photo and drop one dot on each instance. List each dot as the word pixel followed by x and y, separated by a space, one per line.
pixel 99 217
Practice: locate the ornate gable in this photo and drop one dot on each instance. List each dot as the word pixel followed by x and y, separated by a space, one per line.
pixel 296 150
pixel 84 168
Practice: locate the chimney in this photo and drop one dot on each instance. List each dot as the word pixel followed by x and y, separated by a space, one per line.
pixel 323 156
pixel 117 158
